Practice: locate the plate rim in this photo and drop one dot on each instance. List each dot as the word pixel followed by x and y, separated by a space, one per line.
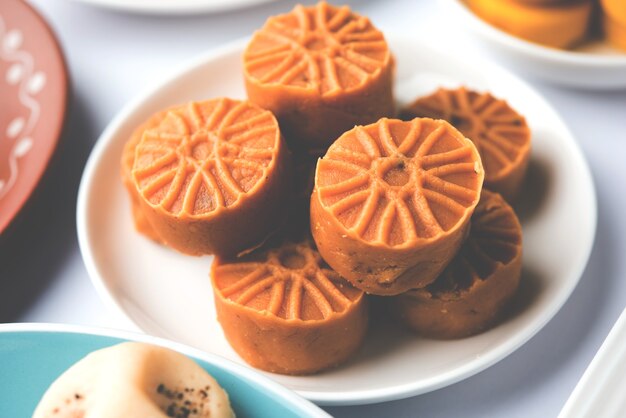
pixel 360 397
pixel 173 7
pixel 529 48
pixel 231 367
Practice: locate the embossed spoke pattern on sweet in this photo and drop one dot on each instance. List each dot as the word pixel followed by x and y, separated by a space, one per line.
pixel 321 47
pixel 21 72
pixel 499 132
pixel 494 241
pixel 199 160
pixel 292 282
pixel 388 183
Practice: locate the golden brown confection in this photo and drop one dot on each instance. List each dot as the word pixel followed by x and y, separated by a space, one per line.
pixel 615 33
pixel 615 10
pixel 283 310
pixel 473 289
pixel 321 70
pixel 211 176
pixel 547 2
pixel 501 135
pixel 392 202
pixel 560 25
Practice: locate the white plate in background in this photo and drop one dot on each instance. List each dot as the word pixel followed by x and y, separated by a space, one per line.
pixel 174 7
pixel 593 66
pixel 169 295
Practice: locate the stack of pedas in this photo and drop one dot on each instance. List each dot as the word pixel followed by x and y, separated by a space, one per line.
pixel 315 194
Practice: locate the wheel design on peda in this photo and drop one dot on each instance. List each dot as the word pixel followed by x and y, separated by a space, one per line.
pixel 205 157
pixel 291 282
pixel 394 183
pixel 474 288
pixel 500 133
pixel 284 310
pixel 323 48
pixel 495 240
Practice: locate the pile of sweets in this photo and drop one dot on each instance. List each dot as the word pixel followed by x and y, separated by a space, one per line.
pixel 316 193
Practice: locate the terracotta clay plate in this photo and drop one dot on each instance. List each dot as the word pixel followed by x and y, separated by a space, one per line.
pixel 168 294
pixel 33 88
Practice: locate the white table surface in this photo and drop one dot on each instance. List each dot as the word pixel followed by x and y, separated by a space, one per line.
pixel 114 56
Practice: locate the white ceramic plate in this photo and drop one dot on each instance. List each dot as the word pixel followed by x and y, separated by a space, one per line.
pixel 174 7
pixel 601 391
pixel 593 66
pixel 168 294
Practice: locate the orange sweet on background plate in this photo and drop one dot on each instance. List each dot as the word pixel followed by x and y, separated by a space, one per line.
pixel 559 25
pixel 615 10
pixel 392 202
pixel 514 33
pixel 615 33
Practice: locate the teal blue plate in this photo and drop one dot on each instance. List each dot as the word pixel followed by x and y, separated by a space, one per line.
pixel 32 356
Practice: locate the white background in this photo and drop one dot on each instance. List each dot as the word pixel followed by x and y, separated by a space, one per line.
pixel 113 56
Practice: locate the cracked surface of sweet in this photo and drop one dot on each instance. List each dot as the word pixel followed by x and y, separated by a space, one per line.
pixel 494 241
pixel 500 133
pixel 396 183
pixel 290 282
pixel 321 48
pixel 205 156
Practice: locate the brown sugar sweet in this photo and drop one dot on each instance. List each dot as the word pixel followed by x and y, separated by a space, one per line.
pixel 283 310
pixel 545 2
pixel 615 10
pixel 615 33
pixel 501 135
pixel 472 291
pixel 210 176
pixel 321 70
pixel 392 202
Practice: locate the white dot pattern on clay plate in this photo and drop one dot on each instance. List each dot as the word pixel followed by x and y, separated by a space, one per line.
pixel 21 73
